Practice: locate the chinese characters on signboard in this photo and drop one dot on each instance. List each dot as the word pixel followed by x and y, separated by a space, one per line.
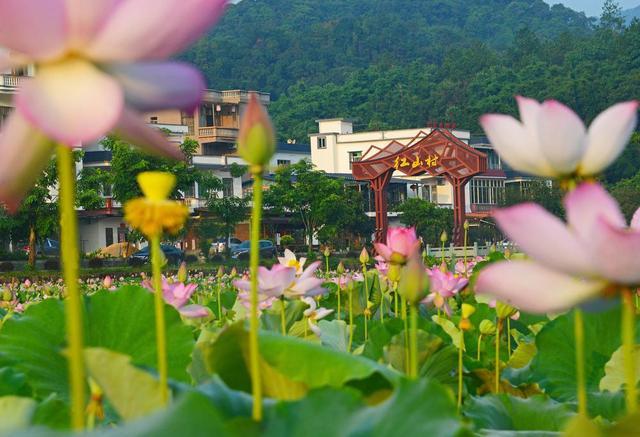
pixel 429 161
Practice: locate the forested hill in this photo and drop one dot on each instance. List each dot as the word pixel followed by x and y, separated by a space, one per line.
pixel 273 44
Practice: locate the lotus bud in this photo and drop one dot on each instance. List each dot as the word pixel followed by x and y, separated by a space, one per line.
pixel 364 256
pixel 233 272
pixel 182 272
pixel 487 327
pixel 6 295
pixel 414 282
pixel 326 252
pixel 444 237
pixel 394 272
pixel 507 253
pixel 504 310
pixel 107 282
pixel 220 272
pixel 466 225
pixel 27 283
pixel 340 269
pixel 256 140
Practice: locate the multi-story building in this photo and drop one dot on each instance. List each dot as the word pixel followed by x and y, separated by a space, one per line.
pixel 336 146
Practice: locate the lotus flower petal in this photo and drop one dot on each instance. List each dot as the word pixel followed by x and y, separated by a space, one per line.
pixel 194 311
pixel 514 145
pixel 534 288
pixel 383 250
pixel 131 128
pixel 616 250
pixel 536 231
pixel 34 28
pixel 137 30
pixel 86 18
pixel 635 221
pixel 608 135
pixel 71 101
pixel 25 153
pixel 586 204
pixel 160 85
pixel 562 135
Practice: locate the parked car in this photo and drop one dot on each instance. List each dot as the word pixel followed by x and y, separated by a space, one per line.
pixel 220 246
pixel 267 250
pixel 49 247
pixel 172 253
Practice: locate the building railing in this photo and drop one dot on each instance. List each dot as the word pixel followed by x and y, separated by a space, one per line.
pixel 218 132
pixel 11 81
pixel 481 207
pixel 235 96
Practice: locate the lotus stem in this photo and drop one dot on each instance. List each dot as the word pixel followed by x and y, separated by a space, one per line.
pixel 509 337
pixel 366 328
pixel 161 329
pixel 628 350
pixel 254 351
pixel 578 327
pixel 283 320
pixel 442 252
pixel 339 306
pixel 413 367
pixel 326 263
pixel 464 250
pixel 381 306
pixel 219 303
pixel 407 356
pixel 395 297
pixel 497 382
pixel 460 369
pixel 350 290
pixel 73 303
pixel 479 345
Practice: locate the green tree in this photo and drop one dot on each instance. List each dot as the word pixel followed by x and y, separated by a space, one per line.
pixel 627 193
pixel 428 219
pixel 228 211
pixel 541 192
pixel 323 205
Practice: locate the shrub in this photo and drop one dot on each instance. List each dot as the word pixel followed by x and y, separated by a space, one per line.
pixel 287 240
pixel 52 264
pixel 6 266
pixel 190 259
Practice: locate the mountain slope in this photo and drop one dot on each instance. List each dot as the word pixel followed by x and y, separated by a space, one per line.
pixel 630 14
pixel 273 44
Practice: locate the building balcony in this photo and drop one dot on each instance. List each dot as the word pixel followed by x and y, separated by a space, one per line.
pixel 482 208
pixel 211 134
pixel 11 81
pixel 235 96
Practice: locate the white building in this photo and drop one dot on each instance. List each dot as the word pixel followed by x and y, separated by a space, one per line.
pixel 336 146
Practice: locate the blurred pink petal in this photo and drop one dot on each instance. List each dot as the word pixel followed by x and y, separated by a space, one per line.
pixel 71 101
pixel 34 28
pixel 25 153
pixel 310 271
pixel 86 19
pixel 138 30
pixel 608 135
pixel 131 128
pixel 586 204
pixel 535 230
pixel 383 251
pixel 530 287
pixel 561 136
pixel 160 85
pixel 616 250
pixel 635 221
pixel 194 311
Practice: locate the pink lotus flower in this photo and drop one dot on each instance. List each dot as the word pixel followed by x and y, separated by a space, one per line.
pixel 442 286
pixel 402 243
pixel 282 281
pixel 290 260
pixel 570 263
pixel 107 282
pixel 381 265
pixel 177 295
pixel 551 140
pixel 313 314
pixel 98 63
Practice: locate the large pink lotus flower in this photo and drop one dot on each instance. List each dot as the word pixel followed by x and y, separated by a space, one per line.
pixel 569 263
pixel 402 243
pixel 282 281
pixel 551 140
pixel 98 64
pixel 443 285
pixel 177 294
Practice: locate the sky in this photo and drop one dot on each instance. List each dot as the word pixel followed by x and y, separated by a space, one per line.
pixel 593 7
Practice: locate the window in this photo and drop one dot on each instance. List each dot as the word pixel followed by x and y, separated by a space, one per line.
pixel 486 191
pixel 154 120
pixel 354 157
pixel 108 236
pixel 227 187
pixel 322 142
pixel 493 160
pixel 283 162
